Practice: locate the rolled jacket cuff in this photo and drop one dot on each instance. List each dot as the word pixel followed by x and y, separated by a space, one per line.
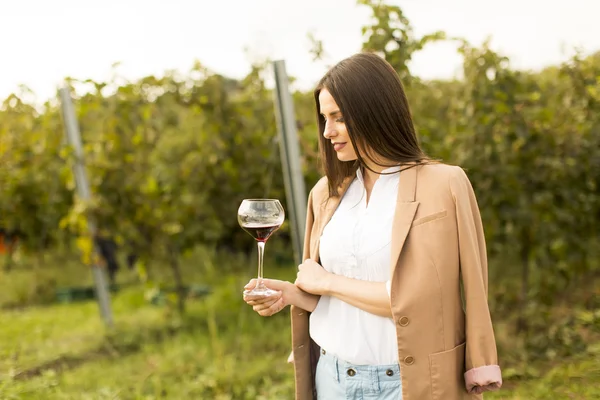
pixel 483 379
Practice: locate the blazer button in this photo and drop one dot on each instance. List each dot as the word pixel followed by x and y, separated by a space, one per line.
pixel 403 321
pixel 409 360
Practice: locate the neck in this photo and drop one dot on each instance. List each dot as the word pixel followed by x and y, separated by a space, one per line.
pixel 372 172
pixel 369 176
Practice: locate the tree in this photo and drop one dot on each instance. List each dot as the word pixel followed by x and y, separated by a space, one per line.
pixel 391 35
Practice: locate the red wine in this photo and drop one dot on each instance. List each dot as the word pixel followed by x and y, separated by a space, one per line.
pixel 260 232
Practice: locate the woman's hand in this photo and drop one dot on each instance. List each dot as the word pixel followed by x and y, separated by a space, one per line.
pixel 286 294
pixel 312 278
pixel 270 305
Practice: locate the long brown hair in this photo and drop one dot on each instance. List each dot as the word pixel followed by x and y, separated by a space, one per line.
pixel 372 101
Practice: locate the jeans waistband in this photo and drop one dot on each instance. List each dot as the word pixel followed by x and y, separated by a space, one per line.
pixel 373 373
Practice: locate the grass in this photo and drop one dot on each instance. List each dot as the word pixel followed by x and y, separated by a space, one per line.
pixel 573 379
pixel 149 355
pixel 220 350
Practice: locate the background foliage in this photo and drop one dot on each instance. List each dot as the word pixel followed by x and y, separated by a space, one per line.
pixel 170 158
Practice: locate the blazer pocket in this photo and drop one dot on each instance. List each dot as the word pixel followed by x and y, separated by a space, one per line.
pixel 446 369
pixel 429 218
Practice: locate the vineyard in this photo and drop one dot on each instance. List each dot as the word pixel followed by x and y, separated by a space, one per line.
pixel 170 158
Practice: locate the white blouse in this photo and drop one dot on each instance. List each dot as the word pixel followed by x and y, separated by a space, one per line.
pixel 356 243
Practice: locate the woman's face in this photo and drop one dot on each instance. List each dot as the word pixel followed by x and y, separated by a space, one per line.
pixel 335 128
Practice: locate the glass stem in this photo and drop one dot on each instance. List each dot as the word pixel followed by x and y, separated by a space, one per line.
pixel 261 252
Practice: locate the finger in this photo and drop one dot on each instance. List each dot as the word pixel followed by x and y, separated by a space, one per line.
pixel 268 308
pixel 250 285
pixel 264 302
pixel 477 390
pixel 273 309
pixel 262 307
pixel 259 302
pixel 275 284
pixel 264 310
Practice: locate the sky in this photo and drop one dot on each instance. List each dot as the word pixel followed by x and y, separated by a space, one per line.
pixel 44 41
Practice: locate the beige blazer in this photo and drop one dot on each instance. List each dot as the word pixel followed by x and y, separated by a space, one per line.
pixel 445 347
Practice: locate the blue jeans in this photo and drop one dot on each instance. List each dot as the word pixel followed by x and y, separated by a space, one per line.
pixel 339 380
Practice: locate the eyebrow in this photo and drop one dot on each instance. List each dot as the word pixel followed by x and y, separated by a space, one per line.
pixel 333 113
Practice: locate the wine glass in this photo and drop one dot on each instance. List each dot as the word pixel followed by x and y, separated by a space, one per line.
pixel 260 218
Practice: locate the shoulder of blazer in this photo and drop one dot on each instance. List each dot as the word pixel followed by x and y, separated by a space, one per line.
pixel 319 193
pixel 438 175
pixel 321 188
pixel 437 171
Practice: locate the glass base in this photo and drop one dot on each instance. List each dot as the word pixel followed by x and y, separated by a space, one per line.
pixel 261 290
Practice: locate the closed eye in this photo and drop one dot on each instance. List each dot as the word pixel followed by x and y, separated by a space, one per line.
pixel 334 114
pixel 339 120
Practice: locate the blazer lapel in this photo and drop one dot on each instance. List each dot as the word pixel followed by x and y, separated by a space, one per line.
pixel 406 208
pixel 326 210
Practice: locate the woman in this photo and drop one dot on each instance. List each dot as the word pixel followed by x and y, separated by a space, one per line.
pixel 391 235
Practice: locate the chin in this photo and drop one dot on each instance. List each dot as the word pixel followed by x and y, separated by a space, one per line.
pixel 346 157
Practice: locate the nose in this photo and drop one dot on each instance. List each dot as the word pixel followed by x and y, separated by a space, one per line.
pixel 329 131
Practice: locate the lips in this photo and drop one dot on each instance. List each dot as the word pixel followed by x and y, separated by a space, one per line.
pixel 338 146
